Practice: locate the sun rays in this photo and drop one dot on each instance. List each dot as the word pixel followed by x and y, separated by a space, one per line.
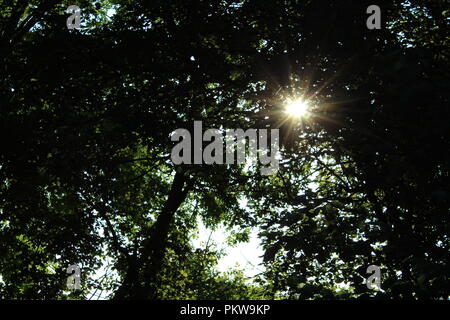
pixel 296 108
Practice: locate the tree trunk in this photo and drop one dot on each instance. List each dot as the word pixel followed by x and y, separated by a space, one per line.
pixel 139 282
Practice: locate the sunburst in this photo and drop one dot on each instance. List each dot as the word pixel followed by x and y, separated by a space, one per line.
pixel 297 108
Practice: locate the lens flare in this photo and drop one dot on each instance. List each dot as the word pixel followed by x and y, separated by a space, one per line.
pixel 296 108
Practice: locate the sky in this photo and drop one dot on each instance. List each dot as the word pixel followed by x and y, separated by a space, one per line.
pixel 247 256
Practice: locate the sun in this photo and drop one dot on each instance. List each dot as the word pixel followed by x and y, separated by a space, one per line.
pixel 296 108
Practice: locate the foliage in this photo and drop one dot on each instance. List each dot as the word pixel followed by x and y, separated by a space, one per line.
pixel 85 166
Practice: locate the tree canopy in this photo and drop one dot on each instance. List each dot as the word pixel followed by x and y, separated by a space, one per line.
pixel 85 169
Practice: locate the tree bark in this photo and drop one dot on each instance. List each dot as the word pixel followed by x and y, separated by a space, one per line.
pixel 141 277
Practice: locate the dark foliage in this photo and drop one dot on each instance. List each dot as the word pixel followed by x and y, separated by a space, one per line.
pixel 85 170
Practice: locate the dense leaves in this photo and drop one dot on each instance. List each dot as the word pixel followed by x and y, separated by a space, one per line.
pixel 85 169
